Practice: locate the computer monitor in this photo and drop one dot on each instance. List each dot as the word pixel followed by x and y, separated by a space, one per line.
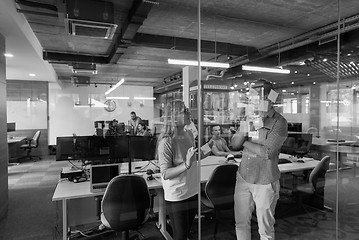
pixel 101 175
pixel 294 127
pixel 297 144
pixel 142 147
pixel 99 149
pixel 118 148
pixel 10 127
pixel 72 148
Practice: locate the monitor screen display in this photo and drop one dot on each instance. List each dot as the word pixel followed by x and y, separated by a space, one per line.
pixel 101 175
pixel 72 148
pixel 142 148
pixel 11 127
pixel 297 144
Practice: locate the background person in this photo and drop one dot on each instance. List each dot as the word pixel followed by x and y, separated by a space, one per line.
pixel 134 121
pixel 258 174
pixel 220 147
pixel 142 129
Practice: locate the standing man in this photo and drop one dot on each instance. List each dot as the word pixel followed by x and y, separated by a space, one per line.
pixel 133 122
pixel 258 174
pixel 220 147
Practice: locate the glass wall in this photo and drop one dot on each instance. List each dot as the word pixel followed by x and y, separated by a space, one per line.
pixel 318 98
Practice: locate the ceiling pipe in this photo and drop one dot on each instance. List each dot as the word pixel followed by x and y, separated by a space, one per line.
pixel 290 45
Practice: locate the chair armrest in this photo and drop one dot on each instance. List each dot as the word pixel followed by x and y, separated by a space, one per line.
pixel 98 200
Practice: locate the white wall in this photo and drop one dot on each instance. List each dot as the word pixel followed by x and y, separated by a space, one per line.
pixel 65 119
pixel 27 114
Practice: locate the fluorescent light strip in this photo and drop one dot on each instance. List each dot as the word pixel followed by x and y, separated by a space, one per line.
pixel 265 69
pixel 116 86
pixel 195 63
pixel 144 98
pixel 8 55
pixel 124 98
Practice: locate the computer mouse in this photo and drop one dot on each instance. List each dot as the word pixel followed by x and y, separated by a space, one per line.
pixel 300 161
pixel 230 158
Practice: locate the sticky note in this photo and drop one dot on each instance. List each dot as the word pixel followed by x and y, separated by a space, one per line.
pixel 205 149
pixel 273 96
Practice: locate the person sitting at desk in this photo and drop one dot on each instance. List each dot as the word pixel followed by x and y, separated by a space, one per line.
pixel 142 129
pixel 220 147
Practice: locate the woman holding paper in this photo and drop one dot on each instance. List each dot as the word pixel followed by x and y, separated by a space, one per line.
pixel 177 159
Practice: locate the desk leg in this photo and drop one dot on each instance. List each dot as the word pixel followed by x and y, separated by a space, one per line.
pixel 64 219
pixel 162 215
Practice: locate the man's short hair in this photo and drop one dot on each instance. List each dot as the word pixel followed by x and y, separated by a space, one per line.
pixel 133 113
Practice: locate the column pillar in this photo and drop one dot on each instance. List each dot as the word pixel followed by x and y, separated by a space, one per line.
pixel 3 133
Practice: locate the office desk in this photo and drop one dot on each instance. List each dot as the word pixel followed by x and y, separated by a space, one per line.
pixel 66 190
pixel 13 148
pixel 343 148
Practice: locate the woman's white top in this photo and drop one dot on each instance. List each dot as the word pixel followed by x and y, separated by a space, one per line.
pixel 172 152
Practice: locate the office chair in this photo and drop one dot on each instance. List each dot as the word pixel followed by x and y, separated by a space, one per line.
pixel 126 204
pixel 31 143
pixel 313 191
pixel 219 191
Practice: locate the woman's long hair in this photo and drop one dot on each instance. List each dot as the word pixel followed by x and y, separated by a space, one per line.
pixel 173 111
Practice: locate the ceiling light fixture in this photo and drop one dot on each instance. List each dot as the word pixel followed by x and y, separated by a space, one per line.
pixel 144 98
pixel 195 63
pixel 8 55
pixel 32 74
pixel 265 69
pixel 120 98
pixel 116 86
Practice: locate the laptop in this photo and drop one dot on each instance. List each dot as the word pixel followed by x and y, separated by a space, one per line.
pixel 101 175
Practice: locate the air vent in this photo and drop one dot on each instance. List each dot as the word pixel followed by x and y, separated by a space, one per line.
pixel 81 81
pixel 85 28
pixel 83 68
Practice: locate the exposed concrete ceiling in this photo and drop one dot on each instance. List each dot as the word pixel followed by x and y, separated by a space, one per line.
pixel 271 33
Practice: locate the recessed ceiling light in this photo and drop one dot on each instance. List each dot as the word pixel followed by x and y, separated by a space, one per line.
pixel 292 83
pixel 325 59
pixel 8 55
pixel 32 74
pixel 314 83
pixel 295 71
pixel 349 54
pixel 308 75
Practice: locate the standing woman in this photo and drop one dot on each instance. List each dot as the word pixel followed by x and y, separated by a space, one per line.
pixel 178 169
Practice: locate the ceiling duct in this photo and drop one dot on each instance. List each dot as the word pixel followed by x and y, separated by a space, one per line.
pixel 90 19
pixel 80 80
pixel 83 68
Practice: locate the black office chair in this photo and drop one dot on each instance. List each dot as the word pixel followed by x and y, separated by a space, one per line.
pixel 219 191
pixel 311 194
pixel 31 143
pixel 126 204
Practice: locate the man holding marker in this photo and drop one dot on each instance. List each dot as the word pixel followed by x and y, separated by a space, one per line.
pixel 257 185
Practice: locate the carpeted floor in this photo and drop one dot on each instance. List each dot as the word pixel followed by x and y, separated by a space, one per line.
pixel 32 215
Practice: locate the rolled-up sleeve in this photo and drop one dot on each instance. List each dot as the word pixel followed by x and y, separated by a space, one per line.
pixel 275 138
pixel 165 155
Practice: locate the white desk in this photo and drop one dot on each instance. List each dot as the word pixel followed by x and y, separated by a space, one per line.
pixel 66 190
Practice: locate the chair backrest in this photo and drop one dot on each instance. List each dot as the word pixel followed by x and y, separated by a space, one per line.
pixel 35 139
pixel 126 202
pixel 220 186
pixel 317 176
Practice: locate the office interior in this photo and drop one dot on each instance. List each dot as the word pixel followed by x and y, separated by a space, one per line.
pixel 59 73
